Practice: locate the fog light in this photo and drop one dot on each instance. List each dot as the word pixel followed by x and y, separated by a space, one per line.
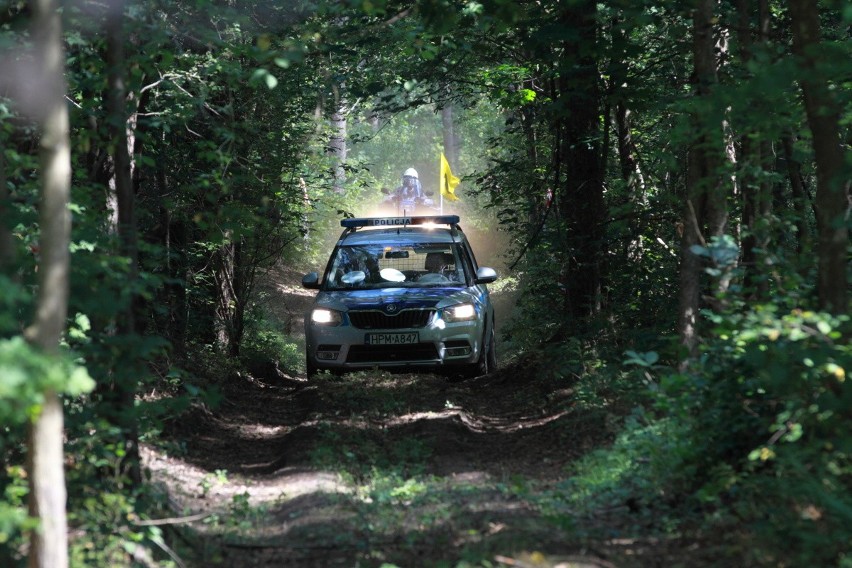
pixel 327 355
pixel 457 351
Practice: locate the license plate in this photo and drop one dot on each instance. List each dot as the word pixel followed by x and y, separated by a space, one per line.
pixel 392 338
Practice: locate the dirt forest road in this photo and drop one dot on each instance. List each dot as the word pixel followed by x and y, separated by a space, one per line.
pixel 376 468
pixel 380 469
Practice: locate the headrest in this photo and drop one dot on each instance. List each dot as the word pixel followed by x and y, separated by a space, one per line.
pixel 438 260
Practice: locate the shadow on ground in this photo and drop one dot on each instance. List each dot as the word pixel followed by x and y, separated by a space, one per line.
pixel 377 467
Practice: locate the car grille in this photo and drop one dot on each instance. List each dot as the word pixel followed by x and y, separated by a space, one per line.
pixel 392 353
pixel 375 319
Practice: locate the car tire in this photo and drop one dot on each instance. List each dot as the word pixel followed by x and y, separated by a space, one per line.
pixel 487 359
pixel 492 351
pixel 310 368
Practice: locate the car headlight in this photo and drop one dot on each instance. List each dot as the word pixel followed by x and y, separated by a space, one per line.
pixel 460 312
pixel 324 316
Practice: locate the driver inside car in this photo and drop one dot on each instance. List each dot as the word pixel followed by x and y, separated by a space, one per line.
pixel 438 267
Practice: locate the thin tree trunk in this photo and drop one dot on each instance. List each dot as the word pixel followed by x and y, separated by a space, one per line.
pixel 689 276
pixel 628 160
pixel 581 200
pixel 226 298
pixel 337 144
pixel 536 199
pixel 632 175
pixel 800 197
pixel 127 371
pixel 749 157
pixel 7 243
pixel 242 289
pixel 718 142
pixel 45 459
pixel 627 155
pixel 705 212
pixel 832 194
pixel 173 239
pixel 767 150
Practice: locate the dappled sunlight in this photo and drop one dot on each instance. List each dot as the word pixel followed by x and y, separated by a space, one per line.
pixel 437 464
pixel 294 290
pixel 477 422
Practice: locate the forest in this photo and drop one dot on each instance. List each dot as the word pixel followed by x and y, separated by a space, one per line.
pixel 663 187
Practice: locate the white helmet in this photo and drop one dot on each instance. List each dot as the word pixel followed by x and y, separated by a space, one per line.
pixel 410 172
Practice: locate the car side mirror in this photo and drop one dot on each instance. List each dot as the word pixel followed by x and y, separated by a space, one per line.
pixel 310 281
pixel 485 275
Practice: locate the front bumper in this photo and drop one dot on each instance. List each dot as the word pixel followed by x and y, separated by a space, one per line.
pixel 439 344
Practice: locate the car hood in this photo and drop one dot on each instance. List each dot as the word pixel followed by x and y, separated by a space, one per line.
pixel 403 298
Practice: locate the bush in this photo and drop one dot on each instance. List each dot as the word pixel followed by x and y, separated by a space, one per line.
pixel 767 409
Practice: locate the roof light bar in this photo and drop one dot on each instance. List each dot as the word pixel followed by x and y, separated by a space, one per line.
pixel 399 221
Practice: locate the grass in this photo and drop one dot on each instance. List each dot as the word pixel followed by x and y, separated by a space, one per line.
pixel 429 471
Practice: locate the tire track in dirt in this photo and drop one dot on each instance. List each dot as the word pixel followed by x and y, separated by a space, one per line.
pixel 270 434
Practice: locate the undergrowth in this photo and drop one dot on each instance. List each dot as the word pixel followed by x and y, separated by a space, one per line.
pixel 751 441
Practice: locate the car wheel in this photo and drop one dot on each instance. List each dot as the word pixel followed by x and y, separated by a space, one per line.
pixel 487 359
pixel 492 352
pixel 310 368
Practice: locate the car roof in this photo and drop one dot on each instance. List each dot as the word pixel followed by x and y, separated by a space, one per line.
pixel 402 236
pixel 441 229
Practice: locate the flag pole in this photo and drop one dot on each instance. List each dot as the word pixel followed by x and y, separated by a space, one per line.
pixel 441 189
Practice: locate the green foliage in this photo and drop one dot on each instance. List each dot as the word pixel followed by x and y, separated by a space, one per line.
pixel 219 477
pixel 103 512
pixel 755 432
pixel 12 302
pixel 361 457
pixel 777 378
pixel 647 465
pixel 272 345
pixel 231 157
pixel 28 373
pixel 13 508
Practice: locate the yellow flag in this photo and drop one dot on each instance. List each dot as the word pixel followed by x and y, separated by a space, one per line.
pixel 448 180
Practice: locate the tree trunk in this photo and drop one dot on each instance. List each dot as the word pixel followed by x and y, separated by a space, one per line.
pixel 234 276
pixel 714 142
pixel 767 151
pixel 800 197
pixel 174 240
pixel 627 156
pixel 242 290
pixel 705 212
pixel 632 175
pixel 45 459
pixel 7 242
pixel 127 370
pixel 689 277
pixel 337 144
pixel 176 288
pixel 581 200
pixel 832 199
pixel 749 157
pixel 226 297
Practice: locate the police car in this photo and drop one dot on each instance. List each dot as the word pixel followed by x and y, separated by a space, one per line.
pixel 401 292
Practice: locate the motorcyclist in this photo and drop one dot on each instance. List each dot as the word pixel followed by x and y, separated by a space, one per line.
pixel 410 194
pixel 410 188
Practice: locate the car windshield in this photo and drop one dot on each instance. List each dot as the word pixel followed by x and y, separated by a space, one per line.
pixel 393 266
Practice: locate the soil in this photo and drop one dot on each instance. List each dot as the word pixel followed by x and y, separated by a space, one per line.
pixel 380 469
